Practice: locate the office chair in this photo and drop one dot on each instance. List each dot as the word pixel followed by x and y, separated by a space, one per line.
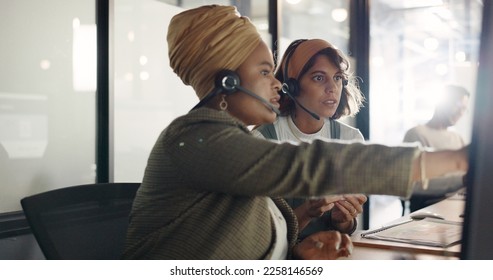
pixel 85 222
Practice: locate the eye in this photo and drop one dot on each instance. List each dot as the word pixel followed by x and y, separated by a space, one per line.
pixel 338 78
pixel 265 72
pixel 318 78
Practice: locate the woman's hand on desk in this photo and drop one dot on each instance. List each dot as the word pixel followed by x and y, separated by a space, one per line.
pixel 324 245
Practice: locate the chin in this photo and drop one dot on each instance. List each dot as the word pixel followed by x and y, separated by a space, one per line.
pixel 327 114
pixel 268 119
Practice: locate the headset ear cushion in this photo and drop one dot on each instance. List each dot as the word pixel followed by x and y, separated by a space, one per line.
pixel 292 86
pixel 227 80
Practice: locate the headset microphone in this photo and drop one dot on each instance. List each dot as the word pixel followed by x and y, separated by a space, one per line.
pixel 286 91
pixel 259 98
pixel 230 82
pixel 291 85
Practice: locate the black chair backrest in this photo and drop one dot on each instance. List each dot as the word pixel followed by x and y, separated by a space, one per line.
pixel 85 222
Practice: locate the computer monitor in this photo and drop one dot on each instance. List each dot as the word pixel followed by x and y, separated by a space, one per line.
pixel 477 241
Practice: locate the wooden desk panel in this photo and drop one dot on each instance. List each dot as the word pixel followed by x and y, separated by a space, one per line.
pixel 367 253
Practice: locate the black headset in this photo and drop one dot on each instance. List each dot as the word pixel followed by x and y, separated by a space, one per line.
pixel 228 82
pixel 291 86
pixel 225 81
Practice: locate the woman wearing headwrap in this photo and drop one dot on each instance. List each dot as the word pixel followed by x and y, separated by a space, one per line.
pixel 318 90
pixel 211 190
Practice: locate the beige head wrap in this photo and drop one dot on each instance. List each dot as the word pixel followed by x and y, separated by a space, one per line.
pixel 204 40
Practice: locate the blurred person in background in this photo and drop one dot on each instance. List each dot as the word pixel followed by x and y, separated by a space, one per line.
pixel 438 134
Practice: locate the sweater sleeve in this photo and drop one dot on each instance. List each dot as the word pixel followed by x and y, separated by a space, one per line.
pixel 223 158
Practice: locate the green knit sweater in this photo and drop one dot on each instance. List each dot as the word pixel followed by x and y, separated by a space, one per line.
pixel 206 180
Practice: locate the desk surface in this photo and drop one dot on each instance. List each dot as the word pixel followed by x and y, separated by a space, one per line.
pixel 451 209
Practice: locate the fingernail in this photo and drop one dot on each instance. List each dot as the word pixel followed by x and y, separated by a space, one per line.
pixel 319 244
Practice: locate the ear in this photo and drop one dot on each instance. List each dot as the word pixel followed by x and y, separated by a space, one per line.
pixel 227 81
pixel 290 87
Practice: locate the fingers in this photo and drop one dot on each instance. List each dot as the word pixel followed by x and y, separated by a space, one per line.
pixel 328 245
pixel 331 237
pixel 335 244
pixel 353 204
pixel 356 198
pixel 346 247
pixel 349 209
pixel 317 207
pixel 320 245
pixel 321 204
pixel 349 206
pixel 327 199
pixel 314 210
pixel 329 241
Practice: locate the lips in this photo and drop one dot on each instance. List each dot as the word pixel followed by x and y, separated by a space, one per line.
pixel 275 102
pixel 329 102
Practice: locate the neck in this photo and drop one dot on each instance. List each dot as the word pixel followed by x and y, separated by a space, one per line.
pixel 437 123
pixel 306 123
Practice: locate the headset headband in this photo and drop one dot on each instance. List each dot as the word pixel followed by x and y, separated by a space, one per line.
pixel 294 46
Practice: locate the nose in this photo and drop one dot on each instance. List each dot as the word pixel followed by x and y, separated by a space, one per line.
pixel 277 84
pixel 330 86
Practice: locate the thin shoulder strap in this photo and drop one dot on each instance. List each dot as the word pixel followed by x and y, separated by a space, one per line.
pixel 268 131
pixel 335 129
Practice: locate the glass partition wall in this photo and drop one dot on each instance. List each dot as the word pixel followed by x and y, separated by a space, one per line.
pixel 310 19
pixel 416 48
pixel 47 97
pixel 147 94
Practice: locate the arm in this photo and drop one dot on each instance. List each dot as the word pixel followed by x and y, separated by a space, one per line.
pixel 225 157
pixel 434 164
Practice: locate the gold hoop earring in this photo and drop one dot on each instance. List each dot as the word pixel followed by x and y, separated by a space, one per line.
pixel 223 104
